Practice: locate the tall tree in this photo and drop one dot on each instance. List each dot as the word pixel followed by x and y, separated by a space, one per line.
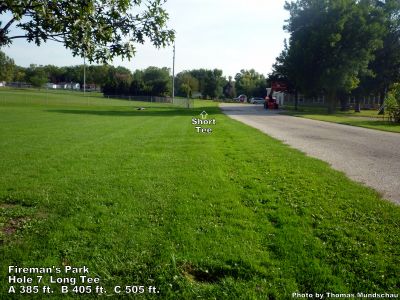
pixel 289 69
pixel 7 67
pixel 386 65
pixel 335 42
pixel 250 83
pixel 186 84
pixel 19 74
pixel 157 81
pixel 229 89
pixel 97 29
pixel 138 87
pixel 211 82
pixel 36 75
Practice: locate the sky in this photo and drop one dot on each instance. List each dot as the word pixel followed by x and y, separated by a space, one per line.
pixel 230 35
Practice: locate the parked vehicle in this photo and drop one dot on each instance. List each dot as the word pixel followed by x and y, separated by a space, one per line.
pixel 241 98
pixel 257 100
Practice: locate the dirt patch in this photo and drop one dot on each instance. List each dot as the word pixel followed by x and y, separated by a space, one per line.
pixel 7 206
pixel 213 274
pixel 14 224
pixel 198 275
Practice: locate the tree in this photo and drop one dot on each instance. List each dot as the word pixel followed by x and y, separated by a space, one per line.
pixel 229 89
pixel 54 73
pixel 332 44
pixel 386 65
pixel 157 81
pixel 138 86
pixel 211 82
pixel 7 67
pixel 393 103
pixel 19 74
pixel 214 83
pixel 117 82
pixel 99 74
pixel 288 69
pixel 250 83
pixel 186 84
pixel 96 29
pixel 36 76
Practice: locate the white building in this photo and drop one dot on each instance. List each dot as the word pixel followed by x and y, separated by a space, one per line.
pixel 64 86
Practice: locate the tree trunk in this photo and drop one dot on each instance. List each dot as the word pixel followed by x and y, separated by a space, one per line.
pixel 382 96
pixel 296 100
pixel 331 99
pixel 343 103
pixel 357 107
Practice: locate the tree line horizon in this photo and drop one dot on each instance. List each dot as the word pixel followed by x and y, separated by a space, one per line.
pixel 151 81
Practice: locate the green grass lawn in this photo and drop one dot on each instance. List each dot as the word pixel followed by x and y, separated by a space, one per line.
pixel 367 118
pixel 141 199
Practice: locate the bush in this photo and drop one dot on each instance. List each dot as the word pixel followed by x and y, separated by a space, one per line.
pixel 393 104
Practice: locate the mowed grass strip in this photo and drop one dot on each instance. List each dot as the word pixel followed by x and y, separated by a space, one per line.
pixel 367 118
pixel 140 198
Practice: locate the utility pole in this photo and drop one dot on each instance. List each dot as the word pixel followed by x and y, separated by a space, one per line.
pixel 84 74
pixel 173 75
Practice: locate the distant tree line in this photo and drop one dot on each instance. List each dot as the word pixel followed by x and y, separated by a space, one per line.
pixel 208 84
pixel 152 81
pixel 36 75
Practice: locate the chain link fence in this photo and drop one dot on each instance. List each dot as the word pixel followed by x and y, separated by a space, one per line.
pixel 181 102
pixel 26 96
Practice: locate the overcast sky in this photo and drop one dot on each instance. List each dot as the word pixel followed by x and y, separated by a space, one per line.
pixel 226 34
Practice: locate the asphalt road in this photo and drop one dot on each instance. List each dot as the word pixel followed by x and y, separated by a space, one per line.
pixel 368 156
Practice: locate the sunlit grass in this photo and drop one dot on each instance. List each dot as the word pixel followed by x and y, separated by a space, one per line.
pixel 366 118
pixel 142 199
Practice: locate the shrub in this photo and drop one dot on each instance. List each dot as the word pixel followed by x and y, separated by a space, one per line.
pixel 393 104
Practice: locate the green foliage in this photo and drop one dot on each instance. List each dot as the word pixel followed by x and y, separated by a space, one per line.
pixel 151 81
pixel 138 86
pixel 37 76
pixel 19 74
pixel 186 84
pixel 393 104
pixel 385 66
pixel 250 83
pixel 97 29
pixel 7 67
pixel 157 81
pixel 229 89
pixel 210 82
pixel 331 44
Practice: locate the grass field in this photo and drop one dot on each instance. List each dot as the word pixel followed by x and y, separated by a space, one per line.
pixel 367 118
pixel 141 199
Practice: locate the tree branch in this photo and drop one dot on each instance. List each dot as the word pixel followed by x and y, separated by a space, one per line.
pixel 8 24
pixel 17 37
pixel 29 6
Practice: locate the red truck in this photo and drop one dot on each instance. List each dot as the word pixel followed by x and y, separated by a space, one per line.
pixel 270 101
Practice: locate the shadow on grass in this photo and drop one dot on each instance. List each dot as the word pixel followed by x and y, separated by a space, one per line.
pixel 372 123
pixel 134 112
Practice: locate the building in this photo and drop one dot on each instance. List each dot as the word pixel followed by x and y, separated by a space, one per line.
pixel 64 86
